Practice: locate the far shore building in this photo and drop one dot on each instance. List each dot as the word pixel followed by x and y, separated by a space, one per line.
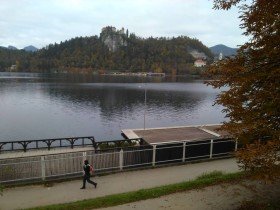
pixel 13 68
pixel 199 63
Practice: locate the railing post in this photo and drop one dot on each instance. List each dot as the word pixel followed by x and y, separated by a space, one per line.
pixel 184 152
pixel 84 156
pixel 236 145
pixel 43 168
pixel 121 159
pixel 211 149
pixel 24 146
pixel 154 155
pixel 49 144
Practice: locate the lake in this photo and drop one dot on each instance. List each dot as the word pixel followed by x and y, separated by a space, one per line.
pixel 38 106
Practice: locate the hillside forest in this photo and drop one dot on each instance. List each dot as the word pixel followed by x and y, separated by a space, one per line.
pixel 112 51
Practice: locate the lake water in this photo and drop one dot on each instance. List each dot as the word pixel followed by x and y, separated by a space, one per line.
pixel 35 106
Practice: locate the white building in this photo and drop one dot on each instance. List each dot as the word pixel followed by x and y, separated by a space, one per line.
pixel 199 63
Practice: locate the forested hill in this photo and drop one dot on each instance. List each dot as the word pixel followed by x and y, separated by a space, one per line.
pixel 9 57
pixel 112 50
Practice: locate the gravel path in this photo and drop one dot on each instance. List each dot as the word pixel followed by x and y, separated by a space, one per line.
pixel 221 197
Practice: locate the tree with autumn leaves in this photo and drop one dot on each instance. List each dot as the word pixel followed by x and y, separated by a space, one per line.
pixel 252 101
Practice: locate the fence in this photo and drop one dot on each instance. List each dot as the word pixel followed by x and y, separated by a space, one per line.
pixel 62 142
pixel 46 143
pixel 70 164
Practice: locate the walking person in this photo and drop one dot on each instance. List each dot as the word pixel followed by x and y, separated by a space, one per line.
pixel 86 177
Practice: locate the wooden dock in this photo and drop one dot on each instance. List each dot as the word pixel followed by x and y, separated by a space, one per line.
pixel 177 134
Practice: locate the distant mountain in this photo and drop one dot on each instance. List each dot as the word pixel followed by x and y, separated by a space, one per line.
pixel 30 48
pixel 225 50
pixel 10 47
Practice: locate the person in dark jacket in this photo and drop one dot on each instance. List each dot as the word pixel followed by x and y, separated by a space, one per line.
pixel 86 176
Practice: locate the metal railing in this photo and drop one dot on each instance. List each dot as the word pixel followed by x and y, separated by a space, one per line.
pixel 71 142
pixel 70 164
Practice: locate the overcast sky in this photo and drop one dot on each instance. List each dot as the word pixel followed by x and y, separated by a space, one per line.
pixel 41 22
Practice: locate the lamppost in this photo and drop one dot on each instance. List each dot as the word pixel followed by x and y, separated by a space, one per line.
pixel 145 104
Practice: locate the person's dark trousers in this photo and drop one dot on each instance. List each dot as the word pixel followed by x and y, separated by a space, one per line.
pixel 87 178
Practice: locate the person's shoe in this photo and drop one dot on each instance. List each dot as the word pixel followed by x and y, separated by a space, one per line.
pixel 82 188
pixel 95 185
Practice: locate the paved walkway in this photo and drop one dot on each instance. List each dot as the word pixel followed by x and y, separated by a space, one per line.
pixel 53 151
pixel 38 195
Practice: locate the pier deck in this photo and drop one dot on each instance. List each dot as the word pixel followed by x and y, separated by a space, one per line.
pixel 176 134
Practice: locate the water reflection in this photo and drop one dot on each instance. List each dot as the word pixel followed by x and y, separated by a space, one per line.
pixel 50 107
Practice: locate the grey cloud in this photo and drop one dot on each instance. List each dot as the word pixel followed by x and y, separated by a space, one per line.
pixel 47 21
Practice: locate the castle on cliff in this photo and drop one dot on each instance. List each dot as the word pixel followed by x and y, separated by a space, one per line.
pixel 113 38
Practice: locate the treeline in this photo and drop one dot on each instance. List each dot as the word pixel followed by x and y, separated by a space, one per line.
pixel 90 54
pixel 9 57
